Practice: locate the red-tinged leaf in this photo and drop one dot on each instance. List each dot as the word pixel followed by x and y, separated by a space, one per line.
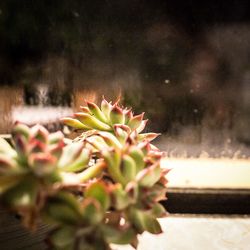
pixel 40 133
pixel 106 108
pixel 36 145
pixel 42 163
pixel 92 211
pixel 110 139
pixel 128 115
pixel 148 136
pixel 142 126
pixel 57 149
pixel 85 109
pixel 20 144
pixel 116 115
pixel 136 121
pixel 120 133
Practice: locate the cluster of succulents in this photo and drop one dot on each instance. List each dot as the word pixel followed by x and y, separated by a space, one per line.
pixel 102 187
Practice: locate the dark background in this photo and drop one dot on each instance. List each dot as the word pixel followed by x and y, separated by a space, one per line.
pixel 186 63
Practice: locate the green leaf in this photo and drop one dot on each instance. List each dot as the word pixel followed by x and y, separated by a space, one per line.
pixel 63 237
pixel 95 110
pixel 80 163
pixel 128 168
pixel 113 160
pixel 121 199
pixel 91 172
pixel 92 211
pixel 158 210
pixel 56 137
pixel 74 123
pixel 63 209
pixel 116 115
pixel 135 122
pixel 70 153
pixel 138 157
pixel 149 176
pixel 21 129
pixel 145 221
pixel 99 191
pixel 106 108
pixel 24 194
pixel 120 236
pixel 110 139
pixel 92 122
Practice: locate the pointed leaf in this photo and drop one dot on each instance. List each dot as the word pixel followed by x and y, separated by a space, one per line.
pixel 40 133
pixel 117 116
pixel 135 122
pixel 74 123
pixel 95 110
pixel 21 129
pixel 92 211
pixel 106 108
pixel 144 221
pixel 92 122
pixel 149 176
pixel 91 172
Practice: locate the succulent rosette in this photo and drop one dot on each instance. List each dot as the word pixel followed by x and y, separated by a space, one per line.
pixel 102 187
pixel 133 174
pixel 35 166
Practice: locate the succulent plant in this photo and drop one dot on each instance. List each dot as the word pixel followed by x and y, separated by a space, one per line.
pixel 103 187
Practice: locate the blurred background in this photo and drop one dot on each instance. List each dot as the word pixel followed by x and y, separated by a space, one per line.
pixel 185 63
